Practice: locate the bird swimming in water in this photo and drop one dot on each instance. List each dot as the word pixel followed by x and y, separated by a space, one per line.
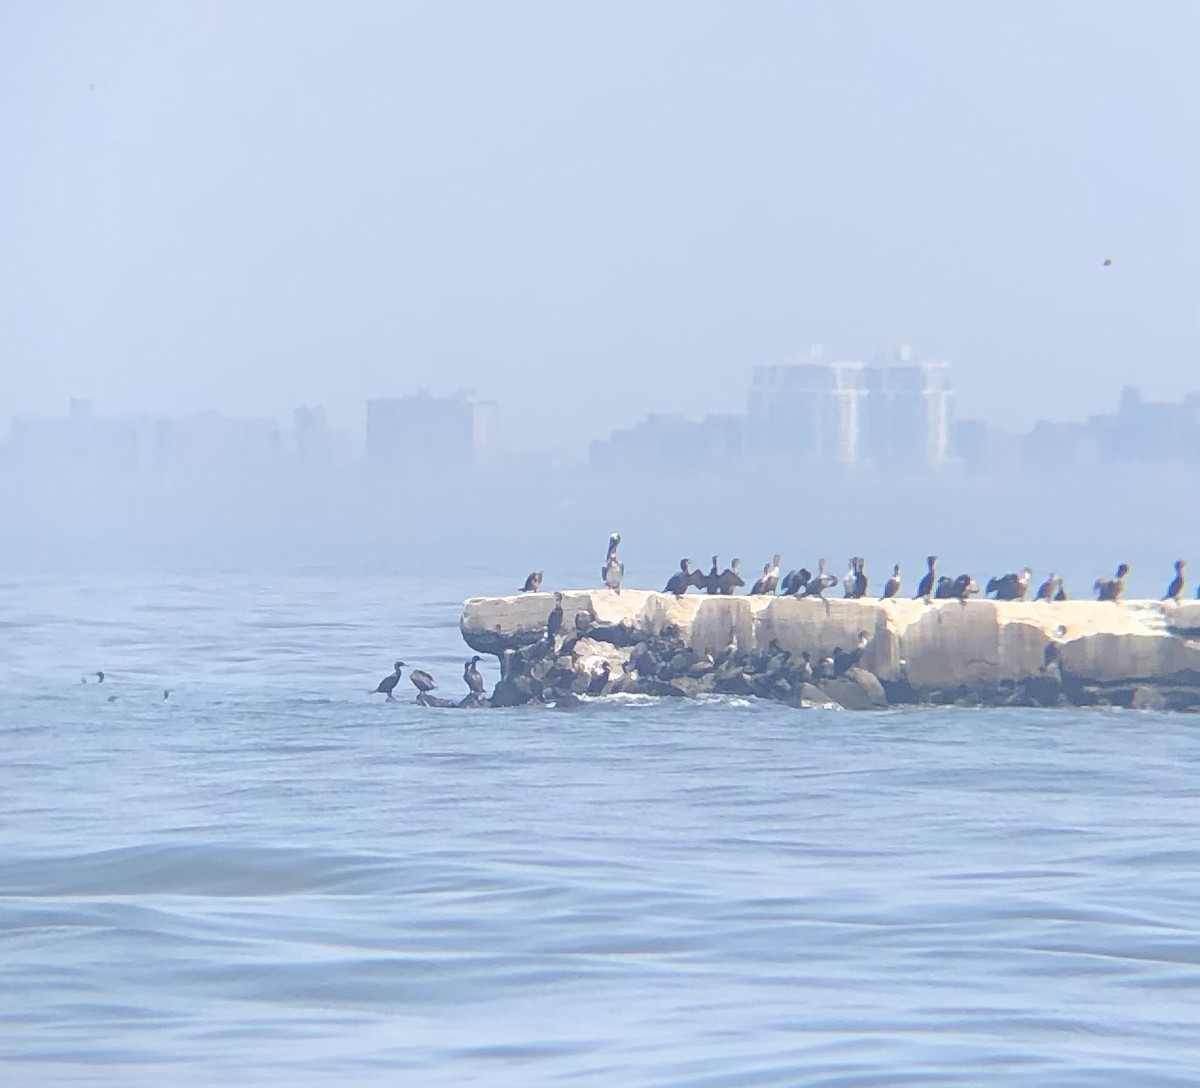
pixel 112 698
pixel 387 685
pixel 422 681
pixel 893 584
pixel 731 579
pixel 472 676
pixel 1110 589
pixel 925 589
pixel 167 694
pixel 1108 262
pixel 1175 589
pixel 533 583
pixel 99 678
pixel 681 581
pixel 554 621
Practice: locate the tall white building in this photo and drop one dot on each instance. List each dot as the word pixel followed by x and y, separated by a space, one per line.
pixel 850 414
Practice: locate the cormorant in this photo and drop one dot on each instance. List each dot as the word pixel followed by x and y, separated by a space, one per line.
pixel 555 620
pixel 925 589
pixel 843 661
pixel 386 686
pixel 859 588
pixel 945 588
pixel 769 582
pixel 712 584
pixel 731 579
pixel 583 620
pixel 99 678
pixel 422 681
pixel 795 583
pixel 963 586
pixel 167 694
pixel 1110 589
pixel 472 675
pixel 821 581
pixel 1175 589
pixel 599 679
pixel 1046 589
pixel 893 584
pixel 533 582
pixel 681 581
pixel 1061 594
pixel 1010 587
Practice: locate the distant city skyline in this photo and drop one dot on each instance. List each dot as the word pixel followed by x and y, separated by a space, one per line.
pixel 591 214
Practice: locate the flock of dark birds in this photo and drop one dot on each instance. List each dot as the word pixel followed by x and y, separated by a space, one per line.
pixel 802 582
pixel 799 582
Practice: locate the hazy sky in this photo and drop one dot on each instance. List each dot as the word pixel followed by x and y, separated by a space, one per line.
pixel 593 211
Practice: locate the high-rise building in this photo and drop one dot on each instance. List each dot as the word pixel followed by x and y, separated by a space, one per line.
pixel 449 433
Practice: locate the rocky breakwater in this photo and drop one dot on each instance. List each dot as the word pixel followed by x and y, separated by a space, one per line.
pixel 859 654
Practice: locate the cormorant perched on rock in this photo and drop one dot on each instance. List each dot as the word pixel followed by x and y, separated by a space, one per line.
pixel 731 648
pixel 1175 589
pixel 893 584
pixel 1045 592
pixel 843 661
pixel 1110 589
pixel 945 589
pixel 769 582
pixel 925 589
pixel 1061 592
pixel 731 579
pixel 472 676
pixel 533 583
pixel 422 681
pixel 599 680
pixel 795 583
pixel 821 581
pixel 554 621
pixel 858 588
pixel 712 582
pixel 1010 587
pixel 681 581
pixel 823 669
pixel 963 586
pixel 388 684
pixel 804 671
pixel 583 620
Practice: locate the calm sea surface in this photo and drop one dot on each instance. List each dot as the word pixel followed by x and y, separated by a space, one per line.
pixel 273 878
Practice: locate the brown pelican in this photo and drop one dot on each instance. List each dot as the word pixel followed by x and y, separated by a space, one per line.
pixel 1110 589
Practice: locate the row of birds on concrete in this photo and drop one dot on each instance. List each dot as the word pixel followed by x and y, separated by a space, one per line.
pixel 425 685
pixel 802 582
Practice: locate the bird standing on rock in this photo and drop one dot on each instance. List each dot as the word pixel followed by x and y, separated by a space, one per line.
pixel 599 679
pixel 533 583
pixel 681 581
pixel 1110 589
pixel 893 584
pixel 422 681
pixel 472 676
pixel 554 621
pixel 1175 589
pixel 925 589
pixel 386 686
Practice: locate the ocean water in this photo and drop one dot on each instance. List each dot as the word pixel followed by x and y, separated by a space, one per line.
pixel 272 878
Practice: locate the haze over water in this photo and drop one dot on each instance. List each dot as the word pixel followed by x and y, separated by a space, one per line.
pixel 274 878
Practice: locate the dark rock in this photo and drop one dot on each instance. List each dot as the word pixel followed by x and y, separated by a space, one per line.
pixel 869 683
pixel 811 694
pixel 516 691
